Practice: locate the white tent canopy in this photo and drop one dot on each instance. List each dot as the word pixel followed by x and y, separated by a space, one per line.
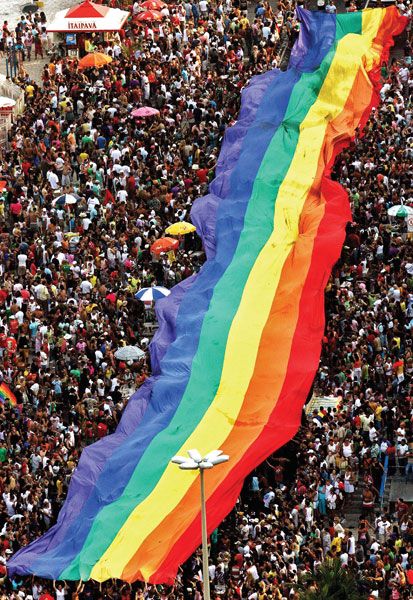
pixel 88 17
pixel 7 103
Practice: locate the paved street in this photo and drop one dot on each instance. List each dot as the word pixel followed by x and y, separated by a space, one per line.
pixel 34 68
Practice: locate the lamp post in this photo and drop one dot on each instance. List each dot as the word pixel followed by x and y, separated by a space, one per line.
pixel 197 462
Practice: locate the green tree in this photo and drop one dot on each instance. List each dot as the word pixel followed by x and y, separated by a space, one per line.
pixel 329 582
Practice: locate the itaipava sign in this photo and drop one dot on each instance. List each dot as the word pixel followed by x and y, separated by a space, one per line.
pixel 82 26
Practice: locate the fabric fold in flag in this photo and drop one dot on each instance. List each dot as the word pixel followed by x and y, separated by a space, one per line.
pixel 239 344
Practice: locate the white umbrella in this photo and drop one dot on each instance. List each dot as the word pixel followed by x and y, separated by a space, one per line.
pixel 129 353
pixel 400 210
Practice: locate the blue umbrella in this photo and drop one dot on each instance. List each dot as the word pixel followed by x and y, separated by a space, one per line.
pixel 152 294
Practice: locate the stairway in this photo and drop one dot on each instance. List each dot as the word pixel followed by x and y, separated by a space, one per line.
pixel 352 512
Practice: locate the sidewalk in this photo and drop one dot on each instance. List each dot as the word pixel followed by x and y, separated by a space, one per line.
pixel 34 68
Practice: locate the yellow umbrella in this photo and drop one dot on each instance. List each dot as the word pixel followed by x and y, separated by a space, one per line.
pixel 180 228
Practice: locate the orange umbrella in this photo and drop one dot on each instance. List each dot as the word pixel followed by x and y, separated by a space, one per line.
pixel 164 244
pixel 152 5
pixel 94 59
pixel 149 15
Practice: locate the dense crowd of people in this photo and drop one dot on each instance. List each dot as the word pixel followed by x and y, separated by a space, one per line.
pixel 70 271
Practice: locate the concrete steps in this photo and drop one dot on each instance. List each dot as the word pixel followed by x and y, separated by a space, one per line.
pixel 399 488
pixel 352 511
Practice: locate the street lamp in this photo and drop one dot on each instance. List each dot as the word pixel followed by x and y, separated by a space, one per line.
pixel 197 462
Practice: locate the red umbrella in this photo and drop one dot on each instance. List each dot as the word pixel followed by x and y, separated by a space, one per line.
pixel 149 15
pixel 164 244
pixel 152 5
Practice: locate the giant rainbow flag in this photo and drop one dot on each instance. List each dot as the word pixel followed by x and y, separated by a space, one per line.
pixel 239 343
